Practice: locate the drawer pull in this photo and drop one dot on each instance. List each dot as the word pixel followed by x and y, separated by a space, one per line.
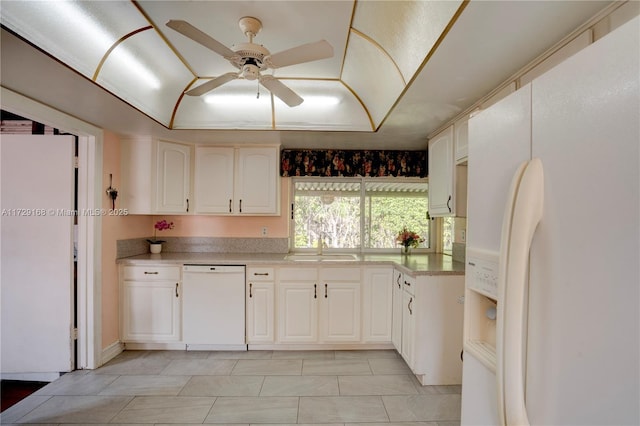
pixel 315 293
pixel 250 288
pixel 325 290
pixel 407 283
pixel 409 306
pixel 176 289
pixel 151 273
pixel 264 274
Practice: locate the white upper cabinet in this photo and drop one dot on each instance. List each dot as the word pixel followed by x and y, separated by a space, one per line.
pixel 237 181
pixel 441 174
pixel 461 139
pixel 173 181
pixel 156 176
pixel 256 186
pixel 214 180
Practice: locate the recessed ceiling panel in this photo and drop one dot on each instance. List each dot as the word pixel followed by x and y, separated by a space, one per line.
pixel 328 105
pixel 285 24
pixel 143 71
pixel 235 105
pixel 406 30
pixel 373 76
pixel 77 33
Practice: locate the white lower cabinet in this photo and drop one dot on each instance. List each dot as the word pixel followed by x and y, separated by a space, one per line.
pixel 432 327
pixel 377 304
pixel 260 305
pixel 151 302
pixel 340 305
pixel 396 319
pixel 298 305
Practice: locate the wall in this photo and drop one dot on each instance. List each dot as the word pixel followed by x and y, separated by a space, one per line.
pixel 114 228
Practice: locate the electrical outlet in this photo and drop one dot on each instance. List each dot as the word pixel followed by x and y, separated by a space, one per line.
pixel 463 235
pixel 264 231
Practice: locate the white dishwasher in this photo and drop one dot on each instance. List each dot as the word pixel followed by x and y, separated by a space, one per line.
pixel 213 307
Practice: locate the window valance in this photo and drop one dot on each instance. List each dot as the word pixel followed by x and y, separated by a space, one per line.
pixel 306 162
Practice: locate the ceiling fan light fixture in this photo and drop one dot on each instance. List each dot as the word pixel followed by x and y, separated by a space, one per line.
pixel 250 71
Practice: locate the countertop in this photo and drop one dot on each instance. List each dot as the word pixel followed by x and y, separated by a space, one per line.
pixel 415 264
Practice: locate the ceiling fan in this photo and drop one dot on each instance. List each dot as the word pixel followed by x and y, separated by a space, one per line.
pixel 251 58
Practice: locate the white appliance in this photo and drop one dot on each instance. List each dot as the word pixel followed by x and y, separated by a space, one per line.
pixel 552 323
pixel 213 315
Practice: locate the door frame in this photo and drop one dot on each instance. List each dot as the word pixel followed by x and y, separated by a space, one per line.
pixel 90 143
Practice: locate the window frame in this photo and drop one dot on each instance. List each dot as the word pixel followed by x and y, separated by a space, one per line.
pixel 362 180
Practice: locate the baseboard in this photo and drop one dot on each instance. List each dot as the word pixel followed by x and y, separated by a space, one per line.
pixel 111 351
pixel 31 377
pixel 202 347
pixel 319 346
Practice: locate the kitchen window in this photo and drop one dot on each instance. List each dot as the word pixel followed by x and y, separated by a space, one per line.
pixel 357 214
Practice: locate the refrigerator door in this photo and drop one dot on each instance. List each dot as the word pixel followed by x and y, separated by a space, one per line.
pixel 584 325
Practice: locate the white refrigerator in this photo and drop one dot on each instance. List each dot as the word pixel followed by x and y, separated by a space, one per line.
pixel 552 326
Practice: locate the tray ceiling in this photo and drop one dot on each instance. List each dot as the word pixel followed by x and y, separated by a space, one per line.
pixel 400 69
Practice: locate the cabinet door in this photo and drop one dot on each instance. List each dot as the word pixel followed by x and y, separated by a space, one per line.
pixel 256 185
pixel 151 311
pixel 340 312
pixel 377 304
pixel 173 178
pixel 214 180
pixel 408 328
pixel 260 312
pixel 298 312
pixel 441 175
pixel 396 330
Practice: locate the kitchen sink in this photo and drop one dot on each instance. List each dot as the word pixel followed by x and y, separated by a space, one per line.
pixel 319 257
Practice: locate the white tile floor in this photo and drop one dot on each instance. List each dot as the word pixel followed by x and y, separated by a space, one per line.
pixel 276 387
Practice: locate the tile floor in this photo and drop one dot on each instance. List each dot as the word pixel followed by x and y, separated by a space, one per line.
pixel 276 387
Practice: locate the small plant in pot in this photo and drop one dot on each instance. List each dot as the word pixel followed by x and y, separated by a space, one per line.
pixel 155 245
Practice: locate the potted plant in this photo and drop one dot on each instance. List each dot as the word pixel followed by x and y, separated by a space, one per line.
pixel 408 239
pixel 155 245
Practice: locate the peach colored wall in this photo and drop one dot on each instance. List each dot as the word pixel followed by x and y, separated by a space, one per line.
pixel 114 228
pixel 231 226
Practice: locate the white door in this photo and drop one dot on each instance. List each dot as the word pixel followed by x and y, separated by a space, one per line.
pixel 408 328
pixel 260 312
pixel 441 180
pixel 36 261
pixel 151 311
pixel 377 304
pixel 396 331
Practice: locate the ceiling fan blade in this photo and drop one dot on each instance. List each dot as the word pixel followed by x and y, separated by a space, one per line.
pixel 304 53
pixel 212 84
pixel 188 30
pixel 276 87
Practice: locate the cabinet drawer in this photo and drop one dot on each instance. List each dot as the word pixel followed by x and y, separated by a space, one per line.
pixel 151 273
pixel 340 274
pixel 260 274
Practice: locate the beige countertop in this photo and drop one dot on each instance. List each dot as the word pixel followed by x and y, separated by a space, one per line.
pixel 415 264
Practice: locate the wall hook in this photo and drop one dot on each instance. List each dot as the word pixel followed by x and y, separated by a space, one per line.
pixel 112 192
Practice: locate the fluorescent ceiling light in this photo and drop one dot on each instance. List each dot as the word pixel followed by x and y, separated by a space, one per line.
pixel 246 99
pixel 103 41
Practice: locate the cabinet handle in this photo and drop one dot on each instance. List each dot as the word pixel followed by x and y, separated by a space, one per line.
pixel 230 205
pixel 250 288
pixel 240 206
pixel 176 289
pixel 151 273
pixel 409 306
pixel 398 281
pixel 187 205
pixel 407 283
pixel 325 290
pixel 315 292
pixel 264 274
pixel 448 201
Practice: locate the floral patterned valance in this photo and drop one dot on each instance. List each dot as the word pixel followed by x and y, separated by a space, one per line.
pixel 307 162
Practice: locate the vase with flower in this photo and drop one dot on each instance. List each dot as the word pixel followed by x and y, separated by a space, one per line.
pixel 408 240
pixel 155 245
